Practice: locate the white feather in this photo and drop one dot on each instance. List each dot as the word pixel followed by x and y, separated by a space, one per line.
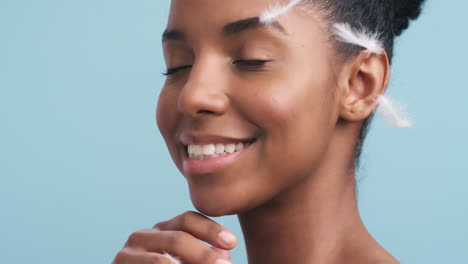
pixel 172 259
pixel 394 112
pixel 361 38
pixel 272 13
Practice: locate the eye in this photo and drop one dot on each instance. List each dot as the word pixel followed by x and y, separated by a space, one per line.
pixel 250 65
pixel 176 69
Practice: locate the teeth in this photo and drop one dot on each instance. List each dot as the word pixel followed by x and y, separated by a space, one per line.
pixel 208 151
pixel 196 150
pixel 239 146
pixel 219 148
pixel 230 148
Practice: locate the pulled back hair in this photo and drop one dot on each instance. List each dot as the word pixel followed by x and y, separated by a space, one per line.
pixel 388 18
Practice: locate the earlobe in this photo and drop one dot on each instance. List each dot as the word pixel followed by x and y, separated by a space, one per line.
pixel 366 77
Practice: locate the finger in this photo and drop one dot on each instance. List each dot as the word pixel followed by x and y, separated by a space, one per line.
pixel 202 228
pixel 178 243
pixel 174 260
pixel 129 256
pixel 225 253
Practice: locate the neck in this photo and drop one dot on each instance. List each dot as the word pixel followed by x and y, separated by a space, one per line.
pixel 315 221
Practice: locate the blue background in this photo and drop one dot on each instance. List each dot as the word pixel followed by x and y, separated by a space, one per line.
pixel 82 164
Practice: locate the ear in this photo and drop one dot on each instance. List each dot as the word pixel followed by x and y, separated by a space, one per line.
pixel 365 78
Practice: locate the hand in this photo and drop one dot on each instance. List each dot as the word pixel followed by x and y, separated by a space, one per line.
pixel 181 237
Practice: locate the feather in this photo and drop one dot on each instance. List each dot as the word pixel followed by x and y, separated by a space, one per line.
pixel 172 259
pixel 361 38
pixel 270 15
pixel 393 112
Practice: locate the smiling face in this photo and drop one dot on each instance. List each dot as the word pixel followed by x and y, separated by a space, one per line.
pixel 232 80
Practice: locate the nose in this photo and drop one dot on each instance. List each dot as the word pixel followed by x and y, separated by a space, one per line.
pixel 204 93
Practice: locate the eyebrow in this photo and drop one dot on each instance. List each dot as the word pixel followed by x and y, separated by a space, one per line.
pixel 250 23
pixel 229 29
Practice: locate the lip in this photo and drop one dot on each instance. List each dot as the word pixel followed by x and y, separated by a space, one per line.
pixel 190 139
pixel 200 167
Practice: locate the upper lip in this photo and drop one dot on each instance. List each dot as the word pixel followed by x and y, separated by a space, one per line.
pixel 192 139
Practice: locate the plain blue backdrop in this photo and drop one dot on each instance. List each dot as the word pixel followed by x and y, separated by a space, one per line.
pixel 82 164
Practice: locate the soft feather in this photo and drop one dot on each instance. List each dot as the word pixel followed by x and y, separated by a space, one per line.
pixel 272 13
pixel 369 41
pixel 394 112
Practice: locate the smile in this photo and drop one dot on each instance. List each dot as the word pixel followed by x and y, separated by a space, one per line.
pixel 209 151
pixel 204 157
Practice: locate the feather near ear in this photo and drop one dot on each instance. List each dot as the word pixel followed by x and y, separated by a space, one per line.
pixel 393 112
pixel 361 38
pixel 272 13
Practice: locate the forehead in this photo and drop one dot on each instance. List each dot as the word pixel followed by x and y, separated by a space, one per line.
pixel 202 22
pixel 209 16
pixel 224 8
pixel 210 13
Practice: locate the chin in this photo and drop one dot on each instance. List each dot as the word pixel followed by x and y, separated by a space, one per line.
pixel 215 203
pixel 230 199
pixel 213 208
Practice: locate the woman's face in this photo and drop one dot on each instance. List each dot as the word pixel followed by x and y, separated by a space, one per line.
pixel 233 80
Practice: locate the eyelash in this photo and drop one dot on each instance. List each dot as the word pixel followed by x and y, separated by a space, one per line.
pixel 176 69
pixel 250 65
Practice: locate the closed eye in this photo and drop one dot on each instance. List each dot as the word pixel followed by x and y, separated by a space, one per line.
pixel 176 69
pixel 242 64
pixel 251 65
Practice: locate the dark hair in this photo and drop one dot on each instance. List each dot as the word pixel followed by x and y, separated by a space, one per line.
pixel 389 18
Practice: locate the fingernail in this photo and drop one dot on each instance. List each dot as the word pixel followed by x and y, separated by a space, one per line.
pixel 223 261
pixel 227 238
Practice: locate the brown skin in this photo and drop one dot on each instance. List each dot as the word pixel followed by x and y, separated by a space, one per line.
pixel 293 189
pixel 181 236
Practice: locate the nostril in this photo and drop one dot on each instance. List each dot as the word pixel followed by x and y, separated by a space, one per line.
pixel 196 103
pixel 205 112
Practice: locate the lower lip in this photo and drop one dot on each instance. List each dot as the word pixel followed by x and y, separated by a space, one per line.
pixel 199 167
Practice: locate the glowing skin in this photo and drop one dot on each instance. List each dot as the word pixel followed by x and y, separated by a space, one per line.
pixel 301 111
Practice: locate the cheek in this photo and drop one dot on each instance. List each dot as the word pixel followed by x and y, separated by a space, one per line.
pixel 294 119
pixel 163 119
pixel 167 115
pixel 167 120
pixel 286 109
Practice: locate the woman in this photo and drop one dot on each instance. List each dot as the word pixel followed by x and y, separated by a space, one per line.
pixel 267 121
